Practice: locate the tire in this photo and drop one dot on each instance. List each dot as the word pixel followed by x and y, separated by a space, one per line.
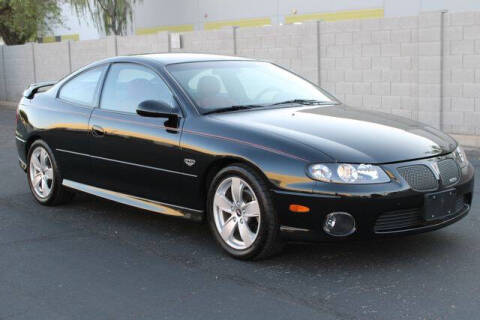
pixel 41 165
pixel 248 230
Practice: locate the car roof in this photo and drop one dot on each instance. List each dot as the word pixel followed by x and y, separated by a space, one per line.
pixel 171 58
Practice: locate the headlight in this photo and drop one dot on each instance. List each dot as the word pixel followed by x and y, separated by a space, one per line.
pixel 461 157
pixel 347 173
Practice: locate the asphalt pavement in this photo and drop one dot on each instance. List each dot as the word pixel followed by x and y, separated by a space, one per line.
pixel 94 259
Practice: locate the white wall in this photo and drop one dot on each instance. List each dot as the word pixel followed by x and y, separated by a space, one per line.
pixel 402 8
pixel 312 6
pixel 450 5
pixel 152 13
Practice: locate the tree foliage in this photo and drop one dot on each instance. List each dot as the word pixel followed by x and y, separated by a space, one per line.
pixel 24 20
pixel 110 16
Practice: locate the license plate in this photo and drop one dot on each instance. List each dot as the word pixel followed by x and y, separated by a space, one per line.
pixel 439 204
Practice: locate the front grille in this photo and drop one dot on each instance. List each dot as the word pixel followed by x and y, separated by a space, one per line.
pixel 419 177
pixel 395 220
pixel 411 218
pixel 449 171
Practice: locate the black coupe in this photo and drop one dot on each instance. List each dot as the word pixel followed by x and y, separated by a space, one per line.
pixel 261 153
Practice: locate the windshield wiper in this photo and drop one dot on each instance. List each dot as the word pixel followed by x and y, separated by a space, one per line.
pixel 233 108
pixel 305 102
pixel 250 106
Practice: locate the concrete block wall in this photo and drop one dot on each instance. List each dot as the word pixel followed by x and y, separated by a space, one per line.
pixel 292 46
pixel 461 99
pixel 372 64
pixel 35 62
pixel 88 51
pixel 430 63
pixel 52 61
pixel 19 69
pixel 141 44
pixel 208 41
pixel 425 68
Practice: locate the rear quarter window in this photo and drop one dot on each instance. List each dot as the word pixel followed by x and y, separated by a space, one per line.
pixel 83 87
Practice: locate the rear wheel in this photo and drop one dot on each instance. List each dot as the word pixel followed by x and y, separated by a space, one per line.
pixel 241 215
pixel 44 177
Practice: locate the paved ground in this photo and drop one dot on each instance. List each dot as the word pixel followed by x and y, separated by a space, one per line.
pixel 93 259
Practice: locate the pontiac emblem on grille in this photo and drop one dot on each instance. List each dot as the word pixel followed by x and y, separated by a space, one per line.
pixel 189 162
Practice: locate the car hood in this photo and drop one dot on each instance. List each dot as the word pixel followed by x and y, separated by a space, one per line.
pixel 347 134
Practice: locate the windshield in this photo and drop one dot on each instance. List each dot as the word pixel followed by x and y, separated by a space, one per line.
pixel 217 85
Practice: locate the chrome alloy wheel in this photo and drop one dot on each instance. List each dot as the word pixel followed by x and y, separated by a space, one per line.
pixel 236 212
pixel 41 173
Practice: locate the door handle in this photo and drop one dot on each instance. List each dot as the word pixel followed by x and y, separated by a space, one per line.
pixel 97 131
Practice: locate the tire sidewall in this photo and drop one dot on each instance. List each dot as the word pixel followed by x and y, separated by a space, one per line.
pixel 56 174
pixel 266 212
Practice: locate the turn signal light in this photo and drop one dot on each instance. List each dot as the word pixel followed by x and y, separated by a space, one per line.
pixel 299 208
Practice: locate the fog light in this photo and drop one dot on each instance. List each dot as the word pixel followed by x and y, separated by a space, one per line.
pixel 339 224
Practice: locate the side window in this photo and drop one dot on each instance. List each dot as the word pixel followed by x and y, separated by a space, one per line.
pixel 127 85
pixel 82 88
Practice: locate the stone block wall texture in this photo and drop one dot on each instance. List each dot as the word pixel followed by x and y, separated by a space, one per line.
pixel 425 68
pixel 19 69
pixel 372 64
pixel 294 47
pixel 208 41
pixel 51 61
pixel 461 80
pixel 141 44
pixel 88 51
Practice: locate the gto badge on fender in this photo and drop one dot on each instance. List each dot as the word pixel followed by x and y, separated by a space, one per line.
pixel 189 162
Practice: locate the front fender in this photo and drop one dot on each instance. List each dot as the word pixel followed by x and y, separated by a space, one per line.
pixel 284 170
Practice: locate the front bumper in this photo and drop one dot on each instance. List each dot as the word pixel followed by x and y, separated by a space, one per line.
pixel 370 205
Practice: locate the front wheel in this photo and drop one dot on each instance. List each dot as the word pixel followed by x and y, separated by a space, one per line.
pixel 241 214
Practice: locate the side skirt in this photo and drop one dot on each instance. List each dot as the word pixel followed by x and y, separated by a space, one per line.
pixel 141 203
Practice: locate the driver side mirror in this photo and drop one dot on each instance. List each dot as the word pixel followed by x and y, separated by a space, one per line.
pixel 156 109
pixel 159 109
